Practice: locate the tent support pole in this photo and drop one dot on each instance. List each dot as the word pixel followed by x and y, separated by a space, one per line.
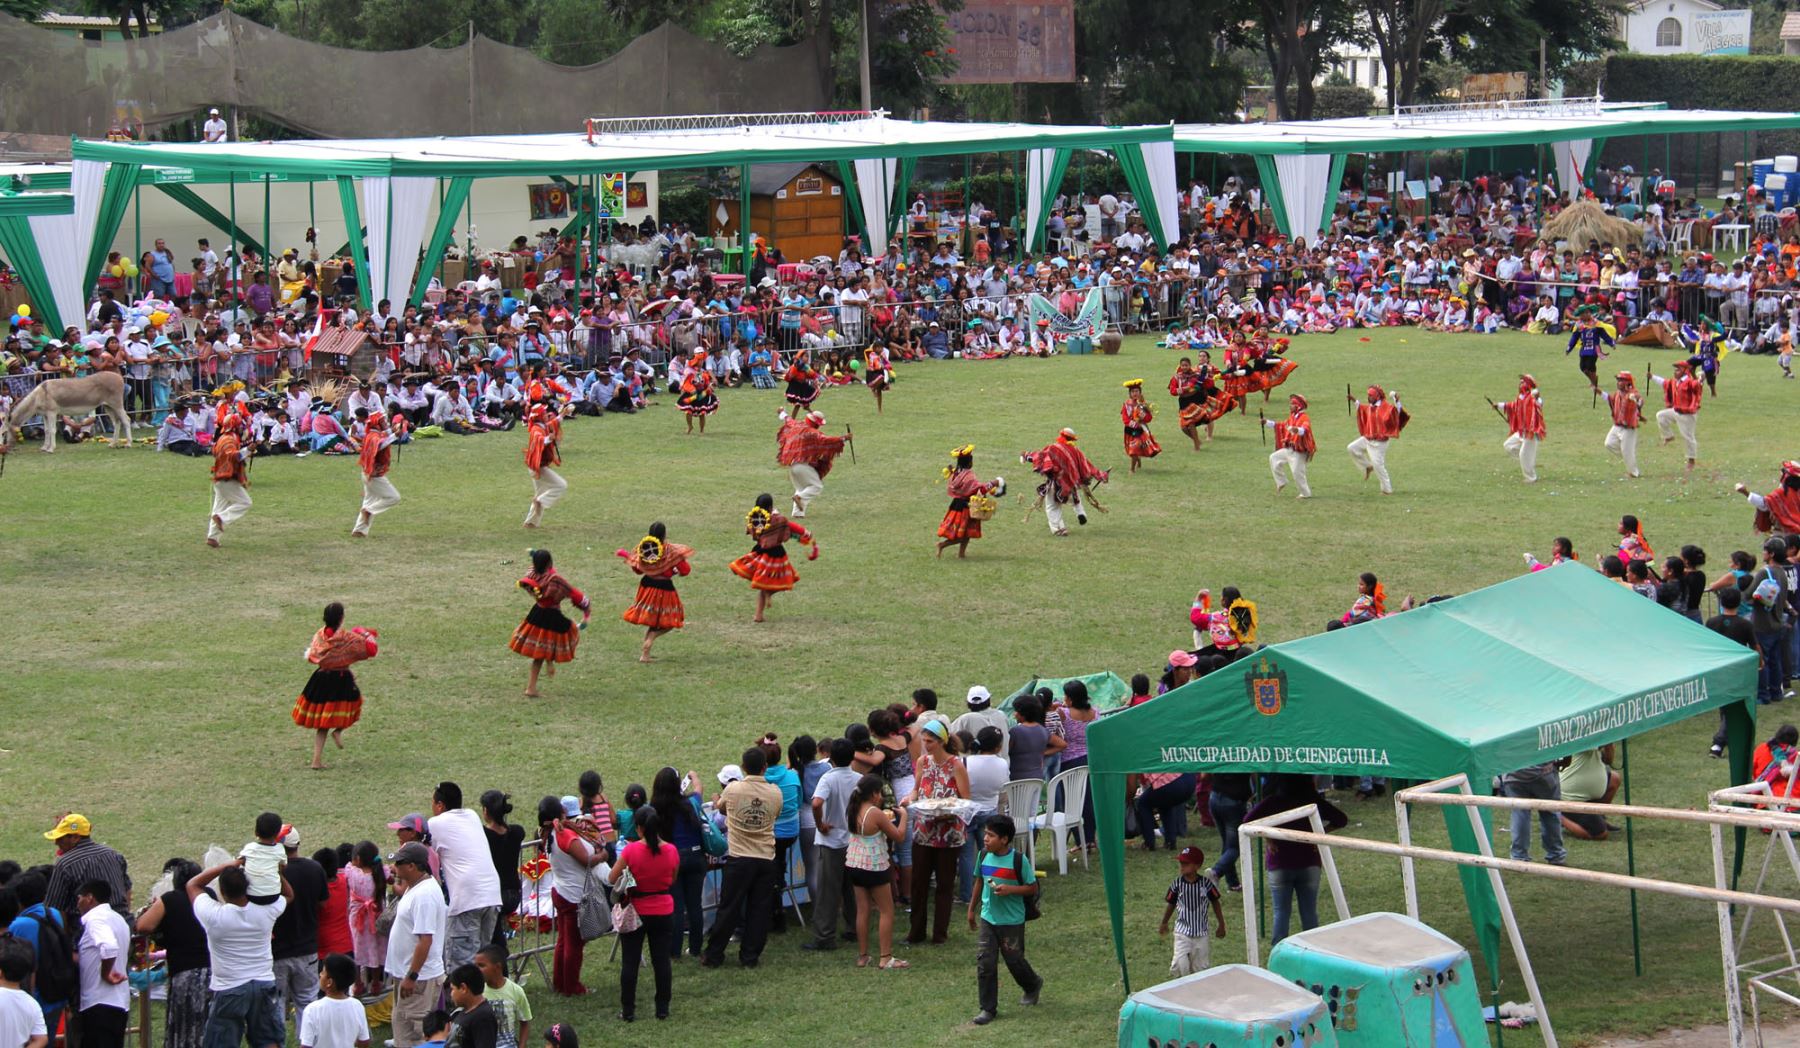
pixel 966 243
pixel 1637 945
pixel 137 222
pixel 268 244
pixel 236 286
pixel 312 212
pixel 744 236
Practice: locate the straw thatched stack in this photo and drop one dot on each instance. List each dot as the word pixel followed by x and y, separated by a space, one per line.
pixel 1585 220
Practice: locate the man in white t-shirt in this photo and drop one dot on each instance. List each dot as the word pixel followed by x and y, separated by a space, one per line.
pixel 103 953
pixel 415 943
pixel 21 1020
pixel 469 876
pixel 245 1003
pixel 1109 216
pixel 214 130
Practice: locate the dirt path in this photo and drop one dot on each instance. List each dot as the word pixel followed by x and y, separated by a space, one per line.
pixel 1774 1036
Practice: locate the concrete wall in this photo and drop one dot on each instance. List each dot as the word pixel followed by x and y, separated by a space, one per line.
pixel 501 207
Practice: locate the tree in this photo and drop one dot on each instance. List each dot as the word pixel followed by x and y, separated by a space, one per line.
pixel 1150 62
pixel 909 45
pixel 1502 36
pixel 1296 35
pixel 1406 35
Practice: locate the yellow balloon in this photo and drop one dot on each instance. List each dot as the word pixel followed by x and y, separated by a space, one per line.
pixel 131 269
pixel 159 318
pixel 24 310
pixel 118 271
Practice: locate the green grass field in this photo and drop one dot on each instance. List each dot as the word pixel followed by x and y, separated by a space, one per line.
pixel 146 680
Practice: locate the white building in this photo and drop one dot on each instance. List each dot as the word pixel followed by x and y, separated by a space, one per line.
pixel 1361 65
pixel 1683 27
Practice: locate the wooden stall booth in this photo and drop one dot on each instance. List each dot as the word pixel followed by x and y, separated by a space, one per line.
pixel 798 208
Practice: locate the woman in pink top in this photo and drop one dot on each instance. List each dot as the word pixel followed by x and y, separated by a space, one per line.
pixel 652 863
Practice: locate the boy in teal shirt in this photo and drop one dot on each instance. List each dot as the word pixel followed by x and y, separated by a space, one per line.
pixel 1007 880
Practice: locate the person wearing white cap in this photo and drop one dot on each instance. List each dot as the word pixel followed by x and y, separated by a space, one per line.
pixel 214 130
pixel 981 715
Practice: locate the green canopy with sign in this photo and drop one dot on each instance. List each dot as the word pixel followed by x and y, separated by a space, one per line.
pixel 1529 670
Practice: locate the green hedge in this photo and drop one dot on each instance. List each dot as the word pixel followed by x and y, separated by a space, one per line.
pixel 1746 82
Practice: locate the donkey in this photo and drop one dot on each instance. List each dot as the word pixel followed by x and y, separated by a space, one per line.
pixel 56 397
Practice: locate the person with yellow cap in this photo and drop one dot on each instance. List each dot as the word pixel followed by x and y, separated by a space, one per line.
pixel 1137 414
pixel 80 859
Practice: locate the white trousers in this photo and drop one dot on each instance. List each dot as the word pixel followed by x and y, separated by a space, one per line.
pixel 1372 454
pixel 379 496
pixel 1053 511
pixel 1525 450
pixel 1623 443
pixel 1193 953
pixel 546 490
pixel 1296 467
pixel 1669 417
pixel 231 500
pixel 807 486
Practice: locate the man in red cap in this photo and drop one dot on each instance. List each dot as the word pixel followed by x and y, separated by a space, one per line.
pixel 1682 395
pixel 1627 407
pixel 1067 472
pixel 1377 422
pixel 1779 510
pixel 808 455
pixel 230 476
pixel 1525 417
pixel 543 434
pixel 1294 446
pixel 379 493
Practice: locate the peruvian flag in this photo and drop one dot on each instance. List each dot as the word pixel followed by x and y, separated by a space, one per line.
pixel 318 330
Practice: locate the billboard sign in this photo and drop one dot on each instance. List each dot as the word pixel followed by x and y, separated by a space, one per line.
pixel 1005 43
pixel 1721 32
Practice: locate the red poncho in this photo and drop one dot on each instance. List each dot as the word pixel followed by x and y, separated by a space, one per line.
pixel 1526 416
pixel 1064 465
pixel 800 441
pixel 339 649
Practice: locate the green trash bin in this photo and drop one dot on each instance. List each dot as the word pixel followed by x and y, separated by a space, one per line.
pixel 1078 344
pixel 1388 982
pixel 1231 1006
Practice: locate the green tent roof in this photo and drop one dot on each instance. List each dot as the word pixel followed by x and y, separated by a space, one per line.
pixel 1534 668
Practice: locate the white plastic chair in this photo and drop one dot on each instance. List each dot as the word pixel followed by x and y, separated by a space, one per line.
pixel 1682 239
pixel 1019 799
pixel 1066 820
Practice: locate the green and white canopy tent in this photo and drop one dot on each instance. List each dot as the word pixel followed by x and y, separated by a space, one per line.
pixel 21 214
pixel 387 185
pixel 1301 163
pixel 1529 670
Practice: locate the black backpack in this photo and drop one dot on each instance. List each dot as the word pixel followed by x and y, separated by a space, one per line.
pixel 57 977
pixel 1032 912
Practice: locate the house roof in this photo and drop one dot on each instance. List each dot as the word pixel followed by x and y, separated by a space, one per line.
pixel 1790 26
pixel 765 179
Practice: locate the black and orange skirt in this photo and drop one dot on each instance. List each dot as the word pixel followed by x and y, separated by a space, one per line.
pixel 1213 408
pixel 766 569
pixel 331 699
pixel 657 607
pixel 1260 379
pixel 546 634
pixel 1140 444
pixel 958 525
pixel 697 403
pixel 802 394
pixel 878 380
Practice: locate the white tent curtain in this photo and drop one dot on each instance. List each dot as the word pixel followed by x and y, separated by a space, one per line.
pixel 1159 164
pixel 1571 161
pixel 395 210
pixel 63 240
pixel 1039 165
pixel 1305 181
pixel 875 186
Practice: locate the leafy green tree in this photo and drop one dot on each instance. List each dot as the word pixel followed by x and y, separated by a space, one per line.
pixel 1501 36
pixel 1155 61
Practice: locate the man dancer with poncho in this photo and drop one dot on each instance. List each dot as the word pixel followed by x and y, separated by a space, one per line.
pixel 808 454
pixel 1068 474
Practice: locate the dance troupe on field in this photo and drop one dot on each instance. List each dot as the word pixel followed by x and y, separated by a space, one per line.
pixel 1067 478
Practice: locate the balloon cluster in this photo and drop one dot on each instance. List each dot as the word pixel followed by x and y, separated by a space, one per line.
pixel 125 269
pixel 22 316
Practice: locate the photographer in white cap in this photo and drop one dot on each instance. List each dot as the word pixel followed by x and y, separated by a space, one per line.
pixel 214 130
pixel 981 715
